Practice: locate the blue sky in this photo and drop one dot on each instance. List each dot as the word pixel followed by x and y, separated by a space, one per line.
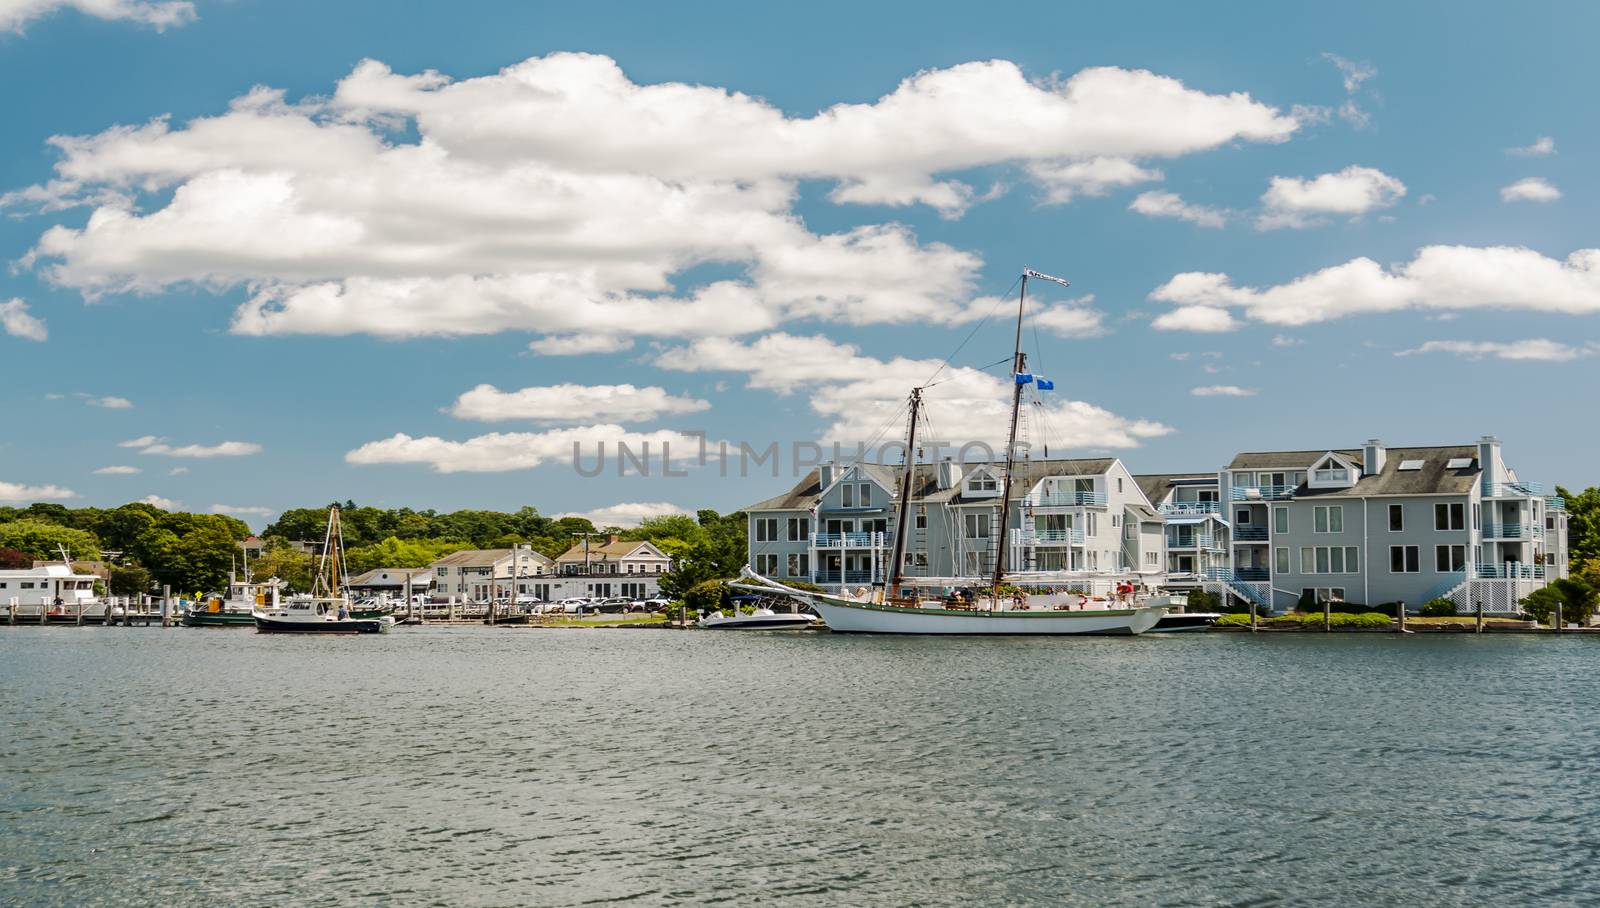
pixel 808 266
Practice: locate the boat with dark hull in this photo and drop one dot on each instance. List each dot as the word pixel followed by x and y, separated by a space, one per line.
pixel 1173 622
pixel 327 610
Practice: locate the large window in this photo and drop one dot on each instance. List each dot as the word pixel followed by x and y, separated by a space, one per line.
pixel 1449 558
pixel 977 526
pixel 799 566
pixel 1330 559
pixel 799 529
pixel 866 495
pixel 1281 560
pixel 1405 559
pixel 1449 516
pixel 922 517
pixel 1280 520
pixel 983 483
pixel 1328 518
pixel 847 495
pixel 767 530
pixel 1325 593
pixel 1397 518
pixel 767 564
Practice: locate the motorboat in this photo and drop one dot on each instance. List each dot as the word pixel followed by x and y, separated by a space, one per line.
pixel 327 610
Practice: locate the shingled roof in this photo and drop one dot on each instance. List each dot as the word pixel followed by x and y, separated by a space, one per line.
pixel 1289 460
pixel 1156 485
pixel 1434 478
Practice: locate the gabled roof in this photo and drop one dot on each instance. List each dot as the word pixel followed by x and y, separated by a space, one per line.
pixel 1027 475
pixel 1155 486
pixel 612 551
pixel 1433 479
pixel 390 576
pixel 472 558
pixel 1288 460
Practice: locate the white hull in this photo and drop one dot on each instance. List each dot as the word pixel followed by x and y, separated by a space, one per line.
pixel 863 618
pixel 775 622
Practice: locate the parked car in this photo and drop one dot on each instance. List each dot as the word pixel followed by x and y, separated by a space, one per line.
pixel 656 605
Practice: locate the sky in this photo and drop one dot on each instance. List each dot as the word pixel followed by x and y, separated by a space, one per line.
pixel 264 255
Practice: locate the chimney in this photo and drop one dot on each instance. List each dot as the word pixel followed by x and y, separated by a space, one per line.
pixel 948 474
pixel 1373 456
pixel 612 538
pixel 1489 463
pixel 825 474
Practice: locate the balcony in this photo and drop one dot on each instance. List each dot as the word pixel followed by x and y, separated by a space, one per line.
pixel 1066 499
pixel 1194 541
pixel 1510 570
pixel 1512 531
pixel 1190 508
pixel 1249 534
pixel 843 577
pixel 1243 575
pixel 1262 493
pixel 847 540
pixel 1515 490
pixel 1555 503
pixel 1068 536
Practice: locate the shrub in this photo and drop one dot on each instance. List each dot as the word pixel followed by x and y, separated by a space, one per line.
pixel 706 596
pixel 1348 608
pixel 1234 619
pixel 1576 598
pixel 1439 608
pixel 1308 602
pixel 1202 601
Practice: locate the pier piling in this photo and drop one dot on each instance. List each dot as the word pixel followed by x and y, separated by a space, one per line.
pixel 1479 623
pixel 1252 617
pixel 1559 622
pixel 1400 614
pixel 1327 617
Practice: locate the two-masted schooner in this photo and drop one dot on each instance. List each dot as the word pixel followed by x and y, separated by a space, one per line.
pixel 885 611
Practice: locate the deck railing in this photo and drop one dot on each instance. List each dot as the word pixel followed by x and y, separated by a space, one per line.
pixel 1512 531
pixel 1262 493
pixel 1190 508
pixel 1066 499
pixel 847 540
pixel 1510 570
pixel 1069 536
pixel 1249 534
pixel 843 577
pixel 1516 490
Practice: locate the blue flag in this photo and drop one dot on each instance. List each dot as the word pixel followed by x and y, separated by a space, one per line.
pixel 1044 384
pixel 1024 378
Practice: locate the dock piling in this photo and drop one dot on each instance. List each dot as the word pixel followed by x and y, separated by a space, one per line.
pixel 1327 617
pixel 1479 622
pixel 1559 622
pixel 1400 614
pixel 1252 616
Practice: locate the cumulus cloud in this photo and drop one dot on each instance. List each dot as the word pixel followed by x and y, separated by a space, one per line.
pixel 110 403
pixel 861 394
pixel 149 444
pixel 560 197
pixel 1531 349
pixel 245 510
pixel 17 321
pixel 579 344
pixel 1161 204
pixel 503 451
pixel 573 403
pixel 1075 318
pixel 1544 146
pixel 1530 189
pixel 159 14
pixel 165 504
pixel 117 471
pixel 1439 278
pixel 627 514
pixel 11 491
pixel 1353 191
pixel 1222 391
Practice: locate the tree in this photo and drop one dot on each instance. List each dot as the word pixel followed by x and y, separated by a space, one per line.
pixel 400 553
pixel 1583 524
pixel 129 580
pixel 1577 600
pixel 13 559
pixel 281 560
pixel 719 553
pixel 44 541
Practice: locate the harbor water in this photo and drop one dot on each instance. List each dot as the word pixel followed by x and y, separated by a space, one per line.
pixel 479 766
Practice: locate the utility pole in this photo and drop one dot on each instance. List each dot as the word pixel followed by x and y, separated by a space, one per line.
pixel 585 550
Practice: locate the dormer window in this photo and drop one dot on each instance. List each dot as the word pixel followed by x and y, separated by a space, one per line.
pixel 1333 472
pixel 982 483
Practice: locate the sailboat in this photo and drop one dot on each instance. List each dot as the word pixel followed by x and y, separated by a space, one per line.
pixel 882 612
pixel 327 609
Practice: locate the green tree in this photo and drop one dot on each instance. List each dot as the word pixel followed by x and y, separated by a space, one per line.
pixel 129 580
pixel 719 553
pixel 42 540
pixel 1577 600
pixel 1583 524
pixel 281 560
pixel 400 553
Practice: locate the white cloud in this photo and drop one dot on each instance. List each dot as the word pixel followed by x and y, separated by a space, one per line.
pixel 244 510
pixel 177 471
pixel 1442 278
pixel 1284 340
pixel 1075 318
pixel 861 395
pixel 1222 391
pixel 1353 191
pixel 579 344
pixel 1545 145
pixel 501 451
pixel 1159 204
pixel 117 471
pixel 165 504
pixel 223 449
pixel 560 197
pixel 627 514
pixel 110 403
pixel 573 403
pixel 17 321
pixel 143 441
pixel 14 14
pixel 1210 319
pixel 11 491
pixel 1531 189
pixel 1353 72
pixel 1531 349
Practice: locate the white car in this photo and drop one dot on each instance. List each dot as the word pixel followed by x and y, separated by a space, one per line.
pixel 568 605
pixel 656 605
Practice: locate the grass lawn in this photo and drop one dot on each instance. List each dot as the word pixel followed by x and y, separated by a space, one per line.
pixel 603 620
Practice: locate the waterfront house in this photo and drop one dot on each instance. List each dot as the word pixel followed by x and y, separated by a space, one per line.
pixel 401 582
pixel 474 574
pixel 1080 522
pixel 614 567
pixel 1196 524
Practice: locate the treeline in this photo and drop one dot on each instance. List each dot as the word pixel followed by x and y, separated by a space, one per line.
pixel 150 547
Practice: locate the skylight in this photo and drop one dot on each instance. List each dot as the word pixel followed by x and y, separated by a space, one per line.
pixel 1459 463
pixel 1411 464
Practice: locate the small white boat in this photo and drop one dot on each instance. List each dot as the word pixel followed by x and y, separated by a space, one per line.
pixel 762 619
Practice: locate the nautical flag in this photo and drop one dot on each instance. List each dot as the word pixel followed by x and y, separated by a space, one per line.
pixel 1024 378
pixel 1044 384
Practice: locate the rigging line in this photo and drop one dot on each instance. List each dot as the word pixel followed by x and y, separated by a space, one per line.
pixel 998 362
pixel 975 328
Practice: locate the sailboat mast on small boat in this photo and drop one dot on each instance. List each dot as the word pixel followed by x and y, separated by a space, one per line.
pixel 897 552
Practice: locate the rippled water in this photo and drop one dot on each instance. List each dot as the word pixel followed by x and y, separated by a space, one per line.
pixel 474 766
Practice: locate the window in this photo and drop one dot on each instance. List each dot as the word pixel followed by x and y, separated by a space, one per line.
pixel 916 559
pixel 1119 484
pixel 1458 463
pixel 1280 520
pixel 1405 559
pixel 847 495
pixel 1328 518
pixel 798 566
pixel 1326 593
pixel 767 564
pixel 1409 465
pixel 1475 511
pixel 984 483
pixel 1397 518
pixel 1208 496
pixel 799 529
pixel 866 495
pixel 767 530
pixel 1092 524
pixel 1282 565
pixel 1449 516
pixel 1449 558
pixel 922 517
pixel 1332 474
pixel 977 526
pixel 1242 515
pixel 442 572
pixel 1114 522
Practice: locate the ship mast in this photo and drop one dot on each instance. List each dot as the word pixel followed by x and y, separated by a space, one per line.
pixel 1019 362
pixel 897 551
